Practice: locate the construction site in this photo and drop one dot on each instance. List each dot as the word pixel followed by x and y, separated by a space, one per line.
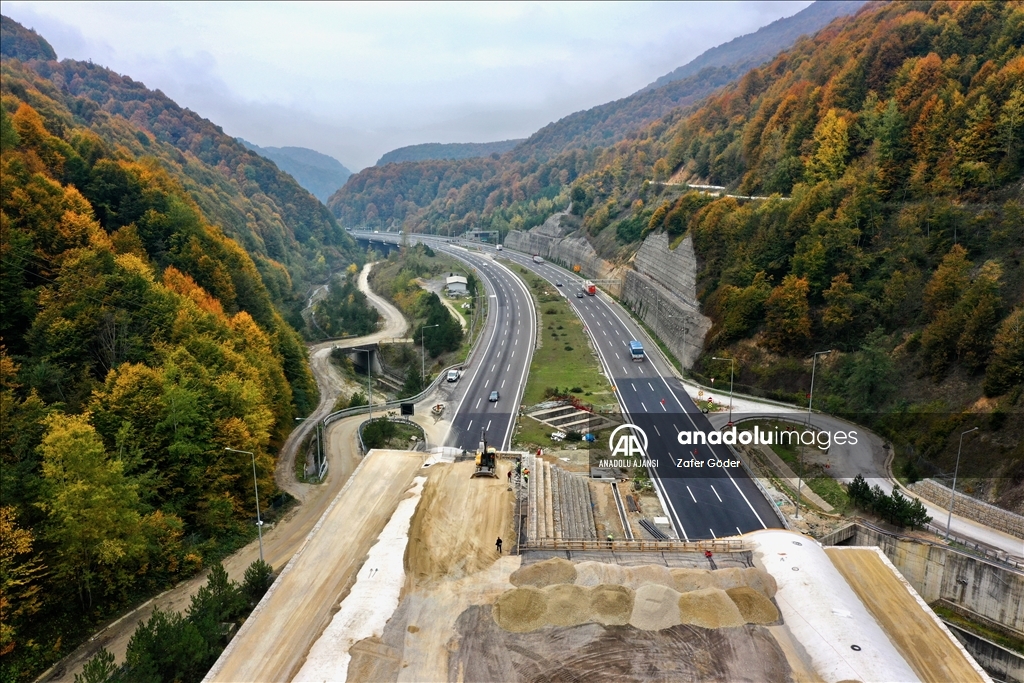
pixel 403 579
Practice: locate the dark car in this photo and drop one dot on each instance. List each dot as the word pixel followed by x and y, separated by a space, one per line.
pixel 493 398
pixel 558 284
pixel 579 295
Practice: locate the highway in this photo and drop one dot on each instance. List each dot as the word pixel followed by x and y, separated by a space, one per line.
pixel 702 502
pixel 502 358
pixel 705 502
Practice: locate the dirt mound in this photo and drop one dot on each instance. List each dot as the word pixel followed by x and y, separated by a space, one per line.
pixel 729 577
pixel 760 580
pixel 521 609
pixel 649 573
pixel 598 573
pixel 754 607
pixel 686 580
pixel 546 573
pixel 655 607
pixel 710 608
pixel 611 605
pixel 448 541
pixel 568 605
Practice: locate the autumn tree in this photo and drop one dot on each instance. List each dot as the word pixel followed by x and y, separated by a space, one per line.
pixel 1006 369
pixel 831 146
pixel 20 574
pixel 788 324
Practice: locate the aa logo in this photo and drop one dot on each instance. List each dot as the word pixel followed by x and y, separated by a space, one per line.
pixel 632 444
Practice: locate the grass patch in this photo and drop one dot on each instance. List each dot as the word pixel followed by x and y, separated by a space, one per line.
pixel 998 637
pixel 564 360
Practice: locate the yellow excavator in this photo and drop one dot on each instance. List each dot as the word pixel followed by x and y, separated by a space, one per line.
pixel 486 460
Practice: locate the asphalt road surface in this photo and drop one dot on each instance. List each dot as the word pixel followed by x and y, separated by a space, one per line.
pixel 706 501
pixel 502 358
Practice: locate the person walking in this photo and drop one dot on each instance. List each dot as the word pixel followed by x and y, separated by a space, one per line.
pixel 497 544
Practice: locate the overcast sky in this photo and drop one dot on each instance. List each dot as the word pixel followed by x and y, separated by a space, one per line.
pixel 357 80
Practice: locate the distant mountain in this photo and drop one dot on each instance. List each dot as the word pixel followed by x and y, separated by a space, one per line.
pixel 23 43
pixel 754 49
pixel 322 175
pixel 453 150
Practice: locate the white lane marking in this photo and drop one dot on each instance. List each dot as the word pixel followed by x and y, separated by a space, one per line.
pixel 513 355
pixel 649 384
pixel 645 407
pixel 623 369
pixel 469 426
pixel 691 494
pixel 617 356
pixel 502 384
pixel 509 367
pixel 663 406
pixel 493 366
pixel 656 430
pixel 488 426
pixel 605 333
pixel 634 387
pixel 477 403
pixel 738 531
pixel 641 371
pixel 716 493
pixel 712 532
pixel 517 342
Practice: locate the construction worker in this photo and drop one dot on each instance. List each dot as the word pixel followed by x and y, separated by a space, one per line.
pixel 497 544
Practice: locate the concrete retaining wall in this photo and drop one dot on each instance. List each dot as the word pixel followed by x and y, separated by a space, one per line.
pixel 1000 663
pixel 985 591
pixel 971 508
pixel 550 241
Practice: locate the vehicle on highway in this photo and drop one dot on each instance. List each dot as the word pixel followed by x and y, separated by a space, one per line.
pixel 636 350
pixel 453 376
pixel 590 288
pixel 579 295
pixel 538 259
pixel 498 248
pixel 493 398
pixel 558 284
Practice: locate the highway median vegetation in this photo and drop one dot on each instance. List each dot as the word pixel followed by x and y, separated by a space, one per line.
pixel 564 359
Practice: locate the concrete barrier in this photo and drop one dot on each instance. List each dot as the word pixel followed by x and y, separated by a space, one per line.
pixel 971 508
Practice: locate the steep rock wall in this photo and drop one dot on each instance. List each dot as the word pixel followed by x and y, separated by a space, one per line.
pixel 660 287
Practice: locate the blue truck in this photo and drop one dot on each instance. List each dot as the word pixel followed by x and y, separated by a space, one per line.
pixel 636 350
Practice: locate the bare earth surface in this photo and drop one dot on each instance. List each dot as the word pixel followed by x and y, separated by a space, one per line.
pixel 273 642
pixel 915 632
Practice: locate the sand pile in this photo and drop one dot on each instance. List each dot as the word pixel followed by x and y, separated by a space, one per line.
pixel 754 607
pixel 546 573
pixel 521 609
pixel 709 608
pixel 686 580
pixel 611 605
pixel 568 605
pixel 655 607
pixel 597 573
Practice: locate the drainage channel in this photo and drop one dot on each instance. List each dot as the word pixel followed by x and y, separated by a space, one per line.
pixel 622 512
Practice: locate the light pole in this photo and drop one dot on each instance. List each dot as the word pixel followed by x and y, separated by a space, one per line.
pixel 423 355
pixel 256 488
pixel 369 379
pixel 956 471
pixel 799 453
pixel 732 375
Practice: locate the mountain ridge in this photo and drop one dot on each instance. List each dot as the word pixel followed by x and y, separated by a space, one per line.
pixel 428 151
pixel 321 174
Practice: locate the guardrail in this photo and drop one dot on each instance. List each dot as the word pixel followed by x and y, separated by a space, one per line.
pixel 721 545
pixel 360 410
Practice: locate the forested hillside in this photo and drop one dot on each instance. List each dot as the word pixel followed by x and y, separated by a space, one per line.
pixel 452 150
pixel 893 145
pixel 319 173
pixel 137 342
pixel 290 236
pixel 441 195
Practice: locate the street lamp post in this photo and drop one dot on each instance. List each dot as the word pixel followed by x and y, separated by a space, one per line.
pixel 256 488
pixel 799 453
pixel 423 355
pixel 956 471
pixel 369 379
pixel 732 375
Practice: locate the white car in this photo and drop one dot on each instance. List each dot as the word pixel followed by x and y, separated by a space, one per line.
pixel 453 376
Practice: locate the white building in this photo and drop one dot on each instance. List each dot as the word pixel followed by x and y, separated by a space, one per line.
pixel 456 285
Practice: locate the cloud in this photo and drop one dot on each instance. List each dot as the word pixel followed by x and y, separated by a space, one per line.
pixel 356 80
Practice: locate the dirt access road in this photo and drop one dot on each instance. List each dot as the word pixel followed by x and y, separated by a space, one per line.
pixel 281 541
